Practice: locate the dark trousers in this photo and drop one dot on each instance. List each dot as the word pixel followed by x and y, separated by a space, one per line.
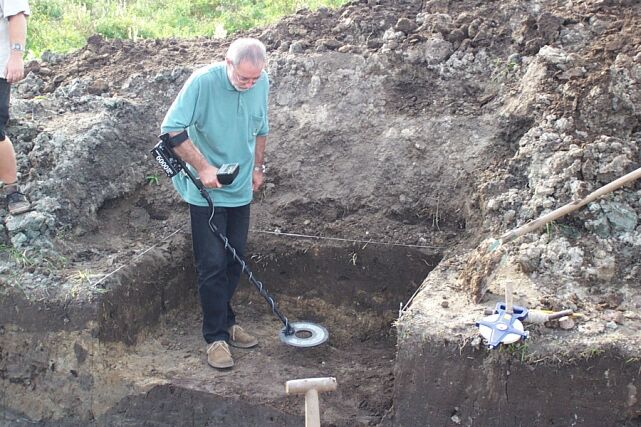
pixel 5 94
pixel 218 272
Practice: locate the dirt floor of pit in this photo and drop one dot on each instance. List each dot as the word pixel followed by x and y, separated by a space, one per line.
pixel 176 355
pixel 170 359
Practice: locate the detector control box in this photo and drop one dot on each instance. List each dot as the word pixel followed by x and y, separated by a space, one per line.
pixel 227 173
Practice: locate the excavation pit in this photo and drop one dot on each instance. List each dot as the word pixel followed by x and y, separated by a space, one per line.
pixel 156 371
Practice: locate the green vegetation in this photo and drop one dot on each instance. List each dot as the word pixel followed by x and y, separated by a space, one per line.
pixel 64 25
pixel 22 259
pixel 153 179
pixel 520 350
pixel 554 229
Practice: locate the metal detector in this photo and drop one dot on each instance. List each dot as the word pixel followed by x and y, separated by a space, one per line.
pixel 298 334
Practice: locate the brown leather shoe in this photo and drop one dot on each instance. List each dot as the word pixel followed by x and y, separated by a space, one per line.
pixel 241 339
pixel 219 356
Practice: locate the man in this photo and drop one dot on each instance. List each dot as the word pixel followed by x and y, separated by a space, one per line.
pixel 223 109
pixel 13 34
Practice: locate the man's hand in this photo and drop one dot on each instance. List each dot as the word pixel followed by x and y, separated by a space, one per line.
pixel 208 177
pixel 17 28
pixel 15 67
pixel 258 177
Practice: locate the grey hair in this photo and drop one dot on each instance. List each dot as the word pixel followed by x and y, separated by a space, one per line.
pixel 247 49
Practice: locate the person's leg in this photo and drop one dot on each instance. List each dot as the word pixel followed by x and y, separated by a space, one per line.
pixel 237 229
pixel 211 268
pixel 8 173
pixel 16 201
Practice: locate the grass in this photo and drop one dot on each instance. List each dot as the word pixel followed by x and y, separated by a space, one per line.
pixel 29 257
pixel 591 353
pixel 554 229
pixel 520 350
pixel 22 259
pixel 503 69
pixel 153 179
pixel 64 25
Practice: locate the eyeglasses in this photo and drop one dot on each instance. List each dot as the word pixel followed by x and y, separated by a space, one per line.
pixel 243 79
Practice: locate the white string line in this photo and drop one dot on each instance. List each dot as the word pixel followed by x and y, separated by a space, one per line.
pixel 134 259
pixel 276 233
pixel 340 239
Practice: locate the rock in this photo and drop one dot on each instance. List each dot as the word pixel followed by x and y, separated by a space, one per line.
pixel 554 56
pixel 604 265
pixel 98 87
pixel 614 316
pixel 620 216
pixel 331 44
pixel 455 36
pixel 405 25
pixel 548 26
pixel 611 300
pixel 611 325
pixel 30 222
pixel 566 323
pixel 533 46
pixel 529 258
pixel 30 86
pixel 591 328
pixel 437 50
pixel 297 47
pixel 19 240
pixel 473 28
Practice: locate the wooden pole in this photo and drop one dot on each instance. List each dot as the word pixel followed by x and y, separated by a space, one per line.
pixel 570 207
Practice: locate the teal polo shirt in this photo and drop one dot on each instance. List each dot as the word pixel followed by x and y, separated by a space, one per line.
pixel 223 124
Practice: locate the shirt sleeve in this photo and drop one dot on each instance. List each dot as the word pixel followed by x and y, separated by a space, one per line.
pixel 182 112
pixel 14 7
pixel 264 130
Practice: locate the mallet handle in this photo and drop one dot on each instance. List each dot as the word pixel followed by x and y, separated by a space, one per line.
pixel 312 409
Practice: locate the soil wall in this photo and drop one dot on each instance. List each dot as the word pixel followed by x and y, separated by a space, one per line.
pixel 579 373
pixel 438 384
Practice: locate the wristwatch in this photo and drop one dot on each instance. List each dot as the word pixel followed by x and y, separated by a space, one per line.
pixel 17 46
pixel 260 168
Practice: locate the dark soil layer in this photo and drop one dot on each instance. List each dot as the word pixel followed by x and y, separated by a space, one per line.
pixel 439 384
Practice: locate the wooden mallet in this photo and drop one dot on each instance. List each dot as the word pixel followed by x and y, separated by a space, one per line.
pixel 311 387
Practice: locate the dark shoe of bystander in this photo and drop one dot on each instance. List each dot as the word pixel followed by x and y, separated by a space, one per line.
pixel 17 203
